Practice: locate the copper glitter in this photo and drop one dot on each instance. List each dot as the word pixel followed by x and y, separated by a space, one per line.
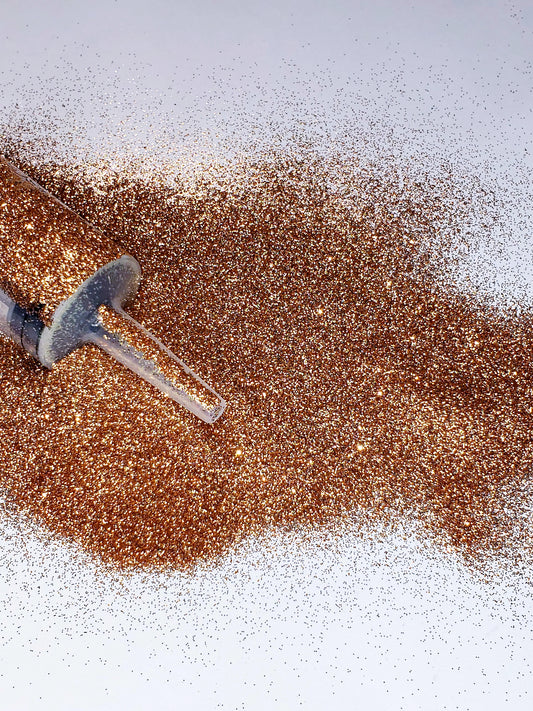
pixel 357 389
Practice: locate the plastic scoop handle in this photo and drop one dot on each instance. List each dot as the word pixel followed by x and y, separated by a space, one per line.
pixel 22 326
pixel 132 345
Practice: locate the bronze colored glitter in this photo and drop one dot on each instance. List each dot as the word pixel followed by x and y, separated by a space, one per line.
pixel 358 389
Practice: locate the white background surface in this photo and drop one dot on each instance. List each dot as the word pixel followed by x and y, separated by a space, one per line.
pixel 380 624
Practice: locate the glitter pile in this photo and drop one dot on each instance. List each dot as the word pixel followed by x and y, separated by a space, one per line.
pixel 357 389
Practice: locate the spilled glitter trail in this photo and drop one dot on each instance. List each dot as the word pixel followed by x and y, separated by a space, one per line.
pixel 358 388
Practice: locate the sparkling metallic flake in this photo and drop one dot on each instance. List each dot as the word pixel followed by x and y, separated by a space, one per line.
pixel 358 389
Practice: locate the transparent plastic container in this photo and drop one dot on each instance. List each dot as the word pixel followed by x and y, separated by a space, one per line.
pixel 95 314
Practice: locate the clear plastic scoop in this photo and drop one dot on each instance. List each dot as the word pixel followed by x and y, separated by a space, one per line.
pixel 94 314
pixel 128 342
